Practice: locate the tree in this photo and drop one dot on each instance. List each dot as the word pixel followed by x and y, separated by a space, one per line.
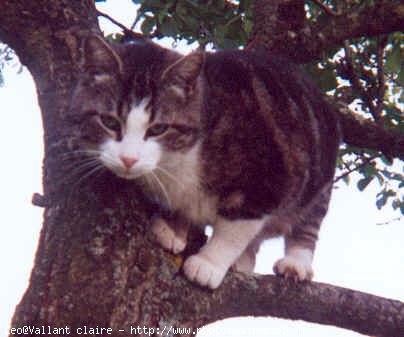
pixel 98 265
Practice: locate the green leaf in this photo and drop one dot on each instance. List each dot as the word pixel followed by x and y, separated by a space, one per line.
pixel 381 201
pixel 168 28
pixel 401 98
pixel 386 173
pixel 147 25
pixel 394 60
pixel 369 170
pixel 227 43
pixel 364 182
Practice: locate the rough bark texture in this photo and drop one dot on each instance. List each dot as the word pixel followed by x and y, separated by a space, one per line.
pixel 97 264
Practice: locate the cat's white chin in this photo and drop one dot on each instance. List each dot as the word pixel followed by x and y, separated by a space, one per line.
pixel 129 175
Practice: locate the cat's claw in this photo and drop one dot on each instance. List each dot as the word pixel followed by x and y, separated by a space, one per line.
pixel 203 271
pixel 166 236
pixel 291 267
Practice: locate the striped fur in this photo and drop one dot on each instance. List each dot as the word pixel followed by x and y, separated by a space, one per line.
pixel 269 143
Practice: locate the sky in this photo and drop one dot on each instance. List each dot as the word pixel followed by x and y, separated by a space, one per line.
pixel 353 251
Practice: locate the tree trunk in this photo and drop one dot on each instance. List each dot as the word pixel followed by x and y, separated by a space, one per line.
pixel 97 265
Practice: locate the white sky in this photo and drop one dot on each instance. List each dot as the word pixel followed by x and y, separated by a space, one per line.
pixel 352 251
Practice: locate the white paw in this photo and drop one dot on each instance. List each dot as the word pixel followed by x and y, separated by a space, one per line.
pixel 166 236
pixel 293 268
pixel 203 271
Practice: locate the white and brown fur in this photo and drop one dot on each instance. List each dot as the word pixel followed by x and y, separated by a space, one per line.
pixel 241 140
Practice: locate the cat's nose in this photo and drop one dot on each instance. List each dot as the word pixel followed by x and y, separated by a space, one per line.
pixel 128 161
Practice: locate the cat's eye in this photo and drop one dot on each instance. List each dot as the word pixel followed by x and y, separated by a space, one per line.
pixel 156 130
pixel 111 123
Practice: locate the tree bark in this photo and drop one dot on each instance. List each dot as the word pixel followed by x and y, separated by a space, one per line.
pixel 97 265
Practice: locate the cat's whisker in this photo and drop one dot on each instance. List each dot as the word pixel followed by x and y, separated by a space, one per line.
pixel 82 159
pixel 170 175
pixel 89 174
pixel 84 167
pixel 77 167
pixel 79 153
pixel 97 167
pixel 163 189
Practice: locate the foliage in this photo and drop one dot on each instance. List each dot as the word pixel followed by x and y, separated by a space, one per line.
pixel 3 60
pixel 370 76
pixel 7 58
pixel 367 74
pixel 223 23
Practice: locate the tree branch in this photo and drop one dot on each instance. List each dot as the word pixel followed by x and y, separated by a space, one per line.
pixel 311 301
pixel 381 81
pixel 363 133
pixel 355 168
pixel 354 79
pixel 382 17
pixel 127 31
pixel 310 41
pixel 325 8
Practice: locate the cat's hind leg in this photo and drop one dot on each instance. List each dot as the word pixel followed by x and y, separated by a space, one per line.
pixel 300 243
pixel 296 264
pixel 171 233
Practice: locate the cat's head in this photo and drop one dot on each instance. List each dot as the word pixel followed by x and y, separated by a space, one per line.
pixel 121 123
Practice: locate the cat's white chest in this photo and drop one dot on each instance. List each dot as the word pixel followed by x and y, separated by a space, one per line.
pixel 184 192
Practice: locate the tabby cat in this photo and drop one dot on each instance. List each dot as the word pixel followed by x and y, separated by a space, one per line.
pixel 240 140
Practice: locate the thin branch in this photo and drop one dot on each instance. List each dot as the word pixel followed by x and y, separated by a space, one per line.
pixel 388 222
pixel 325 8
pixel 356 168
pixel 126 30
pixel 382 42
pixel 133 25
pixel 356 83
pixel 269 295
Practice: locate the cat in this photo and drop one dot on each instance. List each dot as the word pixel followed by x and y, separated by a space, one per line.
pixel 241 140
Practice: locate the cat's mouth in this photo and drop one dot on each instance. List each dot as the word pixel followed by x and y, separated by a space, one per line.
pixel 129 175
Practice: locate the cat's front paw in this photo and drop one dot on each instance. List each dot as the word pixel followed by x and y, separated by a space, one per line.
pixel 167 237
pixel 203 271
pixel 291 267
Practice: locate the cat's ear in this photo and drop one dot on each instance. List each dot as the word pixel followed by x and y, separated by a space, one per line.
pixel 99 54
pixel 183 74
